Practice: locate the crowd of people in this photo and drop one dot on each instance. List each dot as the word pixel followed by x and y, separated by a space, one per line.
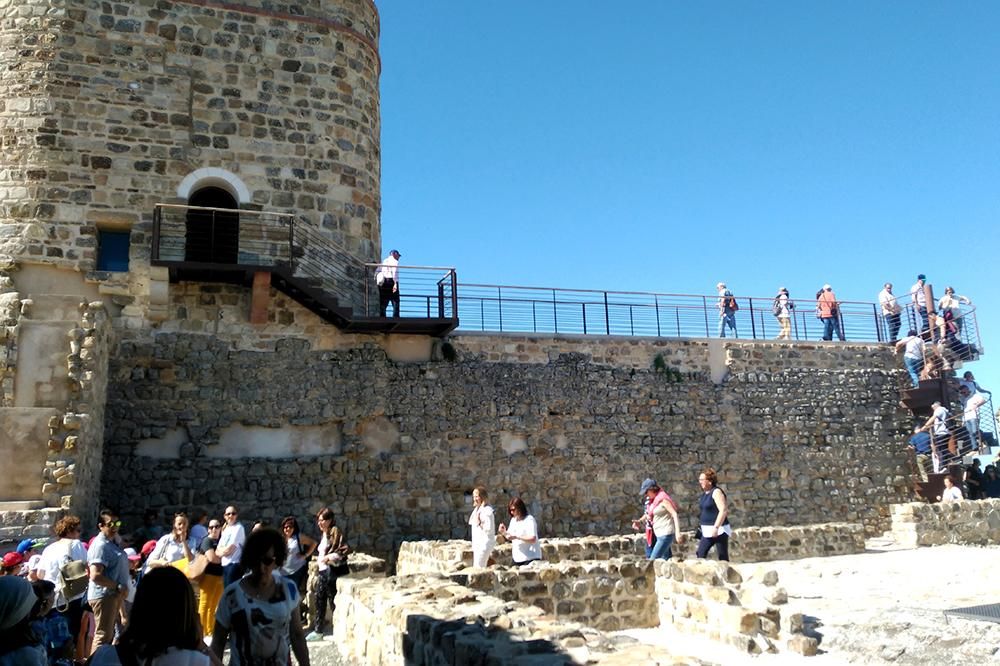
pixel 176 597
pixel 941 325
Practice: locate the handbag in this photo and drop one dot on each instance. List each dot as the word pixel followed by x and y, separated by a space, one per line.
pixel 73 576
pixel 196 569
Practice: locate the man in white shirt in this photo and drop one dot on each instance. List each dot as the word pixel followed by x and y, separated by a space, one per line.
pixel 890 310
pixel 918 292
pixel 387 278
pixel 971 402
pixel 230 547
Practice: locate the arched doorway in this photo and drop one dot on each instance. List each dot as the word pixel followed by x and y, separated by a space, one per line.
pixel 212 236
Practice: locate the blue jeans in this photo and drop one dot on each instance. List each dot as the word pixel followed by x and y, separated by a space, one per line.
pixel 727 319
pixel 924 325
pixel 231 573
pixel 914 366
pixel 661 548
pixel 831 325
pixel 972 427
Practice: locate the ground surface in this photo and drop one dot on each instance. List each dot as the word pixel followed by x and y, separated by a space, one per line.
pixel 881 607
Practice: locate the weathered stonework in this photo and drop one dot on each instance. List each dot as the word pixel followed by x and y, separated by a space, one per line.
pixel 975 523
pixel 825 418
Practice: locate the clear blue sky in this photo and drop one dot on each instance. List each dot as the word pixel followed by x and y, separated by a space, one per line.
pixel 666 145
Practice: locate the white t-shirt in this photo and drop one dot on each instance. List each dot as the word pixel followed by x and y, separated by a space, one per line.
pixel 232 534
pixel 888 302
pixel 484 531
pixel 914 347
pixel 941 421
pixel 294 561
pixel 918 295
pixel 167 548
pixel 953 494
pixel 390 268
pixel 971 407
pixel 59 553
pixel 524 528
pixel 107 655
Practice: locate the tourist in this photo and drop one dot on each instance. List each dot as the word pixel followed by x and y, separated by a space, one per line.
pixel 151 529
pixel 109 578
pixel 163 629
pixel 952 493
pixel 11 564
pixel 974 480
pixel 20 644
pixel 300 549
pixel 261 611
pixel 29 547
pixel 483 525
pixel 727 310
pixel 522 534
pixel 920 443
pixel 199 520
pixel 210 585
pixel 660 517
pixel 64 562
pixel 714 516
pixel 387 279
pixel 32 568
pixel 174 547
pixel 331 564
pixel 890 311
pixel 991 482
pixel 937 425
pixel 782 308
pixel 829 313
pixel 230 546
pixel 913 355
pixel 969 379
pixel 50 625
pixel 971 402
pixel 950 310
pixel 919 297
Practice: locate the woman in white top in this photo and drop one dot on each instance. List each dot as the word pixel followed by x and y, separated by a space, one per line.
pixel 522 534
pixel 177 545
pixel 300 549
pixel 483 524
pixel 331 564
pixel 783 311
pixel 950 311
pixel 55 556
pixel 163 629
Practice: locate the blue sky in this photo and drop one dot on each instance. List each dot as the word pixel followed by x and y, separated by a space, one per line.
pixel 664 146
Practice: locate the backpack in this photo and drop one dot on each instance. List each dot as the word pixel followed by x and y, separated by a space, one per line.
pixel 729 303
pixel 776 307
pixel 73 576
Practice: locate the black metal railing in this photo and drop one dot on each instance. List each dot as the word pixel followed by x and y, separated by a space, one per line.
pixel 424 291
pixel 588 312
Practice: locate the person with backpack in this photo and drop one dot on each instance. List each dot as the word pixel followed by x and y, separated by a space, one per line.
pixel 64 563
pixel 727 310
pixel 782 310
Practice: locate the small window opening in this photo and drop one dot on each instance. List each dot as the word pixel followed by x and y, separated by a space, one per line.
pixel 112 250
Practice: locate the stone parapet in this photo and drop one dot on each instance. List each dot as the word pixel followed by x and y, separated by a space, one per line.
pixel 716 600
pixel 968 522
pixel 608 595
pixel 427 619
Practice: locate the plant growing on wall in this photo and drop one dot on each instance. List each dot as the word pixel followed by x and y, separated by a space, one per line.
pixel 672 375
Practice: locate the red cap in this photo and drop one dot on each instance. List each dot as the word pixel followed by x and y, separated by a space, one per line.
pixel 148 547
pixel 12 559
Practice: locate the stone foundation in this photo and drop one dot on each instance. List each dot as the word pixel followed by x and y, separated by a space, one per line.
pixel 714 599
pixel 968 522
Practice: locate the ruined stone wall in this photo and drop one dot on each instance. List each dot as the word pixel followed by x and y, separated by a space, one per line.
pixel 106 109
pixel 969 522
pixel 799 433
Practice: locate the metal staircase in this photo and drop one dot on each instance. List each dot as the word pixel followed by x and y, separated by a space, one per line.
pixel 303 262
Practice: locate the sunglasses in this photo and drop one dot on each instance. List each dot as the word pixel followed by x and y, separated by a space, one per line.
pixel 267 561
pixel 214 527
pixel 113 523
pixel 230 513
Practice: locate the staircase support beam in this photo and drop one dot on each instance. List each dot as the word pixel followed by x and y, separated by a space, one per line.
pixel 260 298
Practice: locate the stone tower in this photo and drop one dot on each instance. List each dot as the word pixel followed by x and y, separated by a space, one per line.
pixel 108 109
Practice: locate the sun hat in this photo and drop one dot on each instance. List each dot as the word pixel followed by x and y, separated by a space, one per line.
pixel 17 598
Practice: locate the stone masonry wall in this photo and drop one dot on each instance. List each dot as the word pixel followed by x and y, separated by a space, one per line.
pixel 105 109
pixel 975 523
pixel 799 433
